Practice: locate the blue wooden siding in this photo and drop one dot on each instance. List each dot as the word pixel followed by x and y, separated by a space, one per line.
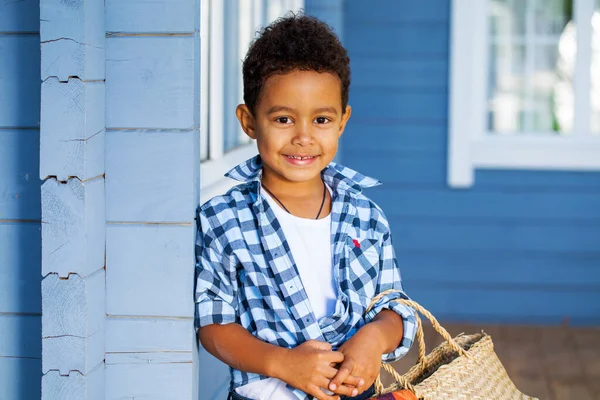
pixel 520 246
pixel 152 180
pixel 329 11
pixel 20 210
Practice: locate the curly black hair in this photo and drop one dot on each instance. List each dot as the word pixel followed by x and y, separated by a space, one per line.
pixel 294 42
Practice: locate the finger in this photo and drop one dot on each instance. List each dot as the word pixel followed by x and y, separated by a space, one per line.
pixel 328 372
pixel 319 345
pixel 351 380
pixel 349 391
pixel 356 381
pixel 343 390
pixel 345 370
pixel 319 394
pixel 335 357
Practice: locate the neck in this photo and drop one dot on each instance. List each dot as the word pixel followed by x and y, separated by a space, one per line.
pixel 305 199
pixel 293 191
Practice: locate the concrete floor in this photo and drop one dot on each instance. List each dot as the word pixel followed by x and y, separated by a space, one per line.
pixel 551 363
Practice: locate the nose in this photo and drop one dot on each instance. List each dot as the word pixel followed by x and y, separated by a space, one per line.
pixel 303 135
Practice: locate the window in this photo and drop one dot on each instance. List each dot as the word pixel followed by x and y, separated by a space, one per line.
pixel 524 86
pixel 227 29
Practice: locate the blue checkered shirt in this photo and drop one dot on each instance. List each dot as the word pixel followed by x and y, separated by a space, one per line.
pixel 245 272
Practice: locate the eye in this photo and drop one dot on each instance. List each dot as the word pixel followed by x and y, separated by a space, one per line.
pixel 283 120
pixel 322 120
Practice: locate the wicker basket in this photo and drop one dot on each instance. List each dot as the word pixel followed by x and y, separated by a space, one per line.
pixel 464 368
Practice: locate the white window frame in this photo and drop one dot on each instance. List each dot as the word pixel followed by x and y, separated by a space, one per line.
pixel 216 162
pixel 469 145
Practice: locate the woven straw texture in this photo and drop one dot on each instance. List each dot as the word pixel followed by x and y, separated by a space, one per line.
pixel 465 368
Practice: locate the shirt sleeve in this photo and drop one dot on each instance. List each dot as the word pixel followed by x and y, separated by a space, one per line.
pixel 389 278
pixel 216 284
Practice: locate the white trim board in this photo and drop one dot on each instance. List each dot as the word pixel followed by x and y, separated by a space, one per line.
pixel 470 145
pixel 531 152
pixel 212 179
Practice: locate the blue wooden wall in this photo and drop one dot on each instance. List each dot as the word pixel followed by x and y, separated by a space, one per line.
pixel 152 180
pixel 20 211
pixel 329 11
pixel 519 246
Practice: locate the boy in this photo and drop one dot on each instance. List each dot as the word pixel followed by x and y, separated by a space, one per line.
pixel 289 260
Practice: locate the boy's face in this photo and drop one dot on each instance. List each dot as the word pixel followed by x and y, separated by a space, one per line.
pixel 297 124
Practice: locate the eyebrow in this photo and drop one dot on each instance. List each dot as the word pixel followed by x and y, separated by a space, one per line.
pixel 275 109
pixel 331 110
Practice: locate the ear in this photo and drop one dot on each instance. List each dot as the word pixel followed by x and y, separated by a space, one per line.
pixel 345 118
pixel 247 120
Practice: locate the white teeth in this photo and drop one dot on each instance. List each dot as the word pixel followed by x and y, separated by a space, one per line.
pixel 299 158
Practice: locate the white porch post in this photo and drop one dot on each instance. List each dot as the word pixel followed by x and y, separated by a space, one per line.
pixel 72 137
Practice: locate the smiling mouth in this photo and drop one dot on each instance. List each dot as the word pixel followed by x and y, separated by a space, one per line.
pixel 300 157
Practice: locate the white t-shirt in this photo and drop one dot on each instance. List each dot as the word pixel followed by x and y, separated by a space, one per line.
pixel 310 243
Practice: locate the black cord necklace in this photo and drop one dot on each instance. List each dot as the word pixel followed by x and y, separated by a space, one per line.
pixel 288 211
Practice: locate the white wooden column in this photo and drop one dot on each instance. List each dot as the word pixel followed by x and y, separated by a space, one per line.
pixel 152 175
pixel 72 134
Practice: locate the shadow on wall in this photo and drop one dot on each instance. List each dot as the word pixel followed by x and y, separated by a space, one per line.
pixel 20 205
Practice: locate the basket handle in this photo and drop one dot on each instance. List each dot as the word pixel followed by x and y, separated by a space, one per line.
pixel 419 336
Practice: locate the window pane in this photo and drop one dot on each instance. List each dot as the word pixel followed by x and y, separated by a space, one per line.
pixel 204 79
pixel 274 10
pixel 241 32
pixel 232 63
pixel 532 47
pixel 247 29
pixel 240 28
pixel 595 72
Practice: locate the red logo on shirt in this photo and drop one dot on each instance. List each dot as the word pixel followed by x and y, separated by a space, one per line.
pixel 356 243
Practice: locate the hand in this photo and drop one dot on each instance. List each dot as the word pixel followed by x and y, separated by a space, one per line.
pixel 362 358
pixel 310 367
